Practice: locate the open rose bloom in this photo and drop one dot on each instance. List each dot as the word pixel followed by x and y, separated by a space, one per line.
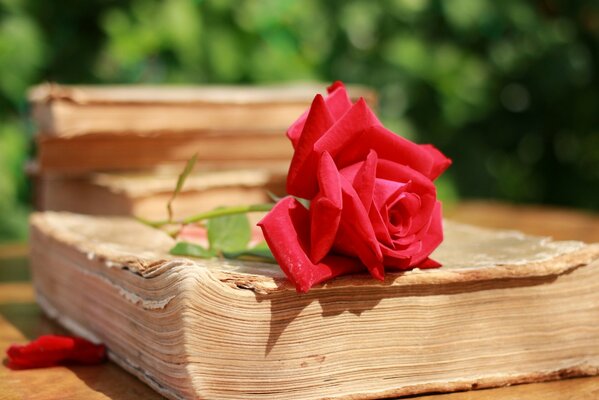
pixel 373 204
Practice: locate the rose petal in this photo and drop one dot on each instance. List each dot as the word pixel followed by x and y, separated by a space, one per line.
pixel 50 350
pixel 403 212
pixel 286 230
pixel 379 226
pixel 440 162
pixel 403 242
pixel 419 184
pixel 337 103
pixel 400 258
pixel 387 192
pixel 390 146
pixel 356 236
pixel 325 209
pixel 433 236
pixel 343 134
pixel 362 177
pixel 419 250
pixel 301 179
pixel 334 86
pixel 429 263
pixel 393 147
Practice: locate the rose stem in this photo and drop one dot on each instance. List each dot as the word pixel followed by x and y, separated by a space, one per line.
pixel 218 212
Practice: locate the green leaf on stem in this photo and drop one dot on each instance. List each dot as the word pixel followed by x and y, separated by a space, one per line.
pixel 180 181
pixel 260 252
pixel 219 212
pixel 191 250
pixel 229 234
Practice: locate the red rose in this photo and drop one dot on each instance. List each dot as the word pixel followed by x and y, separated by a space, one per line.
pixel 373 203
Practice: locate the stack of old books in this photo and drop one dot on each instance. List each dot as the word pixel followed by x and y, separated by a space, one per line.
pixel 505 308
pixel 118 150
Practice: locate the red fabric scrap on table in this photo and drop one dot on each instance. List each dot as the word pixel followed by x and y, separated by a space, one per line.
pixel 50 350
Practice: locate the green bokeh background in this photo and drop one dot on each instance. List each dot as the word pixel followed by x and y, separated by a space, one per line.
pixel 509 90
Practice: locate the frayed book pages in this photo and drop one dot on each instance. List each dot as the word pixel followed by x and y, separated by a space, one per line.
pixel 505 308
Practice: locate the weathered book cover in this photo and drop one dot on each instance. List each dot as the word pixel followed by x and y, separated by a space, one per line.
pixel 505 308
pixel 75 110
pixel 146 194
pixel 84 129
pixel 126 152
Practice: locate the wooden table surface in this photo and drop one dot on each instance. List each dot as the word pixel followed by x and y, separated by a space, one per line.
pixel 21 320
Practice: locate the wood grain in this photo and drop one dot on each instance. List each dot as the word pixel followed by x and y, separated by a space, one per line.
pixel 567 389
pixel 21 319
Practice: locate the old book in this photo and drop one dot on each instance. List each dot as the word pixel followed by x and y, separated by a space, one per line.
pixel 72 110
pixel 147 194
pixel 506 308
pixel 216 151
pixel 105 128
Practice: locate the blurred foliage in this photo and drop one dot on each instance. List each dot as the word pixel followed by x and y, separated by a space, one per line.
pixel 509 90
